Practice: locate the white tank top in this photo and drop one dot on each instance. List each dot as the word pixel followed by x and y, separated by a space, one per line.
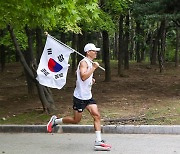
pixel 83 88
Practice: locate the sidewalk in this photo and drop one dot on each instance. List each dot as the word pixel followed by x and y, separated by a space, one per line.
pixel 120 129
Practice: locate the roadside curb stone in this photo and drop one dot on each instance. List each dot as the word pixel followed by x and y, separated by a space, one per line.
pixel 113 129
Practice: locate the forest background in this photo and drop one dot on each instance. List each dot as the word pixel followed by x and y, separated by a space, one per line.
pixel 140 52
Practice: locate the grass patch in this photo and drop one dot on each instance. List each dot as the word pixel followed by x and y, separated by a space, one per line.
pixel 142 96
pixel 164 115
pixel 32 117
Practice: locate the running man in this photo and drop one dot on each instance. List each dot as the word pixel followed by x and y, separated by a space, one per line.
pixel 82 97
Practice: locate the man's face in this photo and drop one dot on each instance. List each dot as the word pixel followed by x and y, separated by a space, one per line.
pixel 92 54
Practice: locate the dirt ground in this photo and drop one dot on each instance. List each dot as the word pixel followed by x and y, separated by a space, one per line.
pixel 142 96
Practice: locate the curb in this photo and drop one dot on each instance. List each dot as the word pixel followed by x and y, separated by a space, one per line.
pixel 120 129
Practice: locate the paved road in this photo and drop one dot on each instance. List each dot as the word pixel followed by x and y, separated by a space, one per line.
pixel 42 143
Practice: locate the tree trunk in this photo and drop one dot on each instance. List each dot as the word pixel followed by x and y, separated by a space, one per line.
pixel 115 55
pixel 2 52
pixel 155 47
pixel 120 53
pixel 161 50
pixel 39 44
pixel 177 47
pixel 131 41
pixel 18 50
pixel 126 49
pixel 63 37
pixel 17 57
pixel 160 58
pixel 81 44
pixel 138 59
pixel 142 52
pixel 99 44
pixel 154 51
pixel 73 55
pixel 142 46
pixel 44 94
pixel 29 59
pixel 106 56
pixel 2 57
pixel 150 44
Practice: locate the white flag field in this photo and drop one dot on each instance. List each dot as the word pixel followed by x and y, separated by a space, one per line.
pixel 53 66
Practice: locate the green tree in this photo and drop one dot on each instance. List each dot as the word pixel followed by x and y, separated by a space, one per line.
pixel 158 15
pixel 20 15
pixel 114 9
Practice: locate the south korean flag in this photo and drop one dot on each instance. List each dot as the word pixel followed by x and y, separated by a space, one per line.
pixel 53 66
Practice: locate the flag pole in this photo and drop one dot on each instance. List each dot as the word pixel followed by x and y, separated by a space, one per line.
pixel 46 33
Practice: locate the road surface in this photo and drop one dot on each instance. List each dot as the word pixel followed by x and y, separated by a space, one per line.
pixel 42 143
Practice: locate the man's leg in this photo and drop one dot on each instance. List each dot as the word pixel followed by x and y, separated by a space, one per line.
pixel 72 120
pixel 93 110
pixel 67 120
pixel 99 143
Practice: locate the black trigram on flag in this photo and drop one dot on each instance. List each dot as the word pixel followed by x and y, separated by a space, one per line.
pixel 45 72
pixel 60 58
pixel 49 51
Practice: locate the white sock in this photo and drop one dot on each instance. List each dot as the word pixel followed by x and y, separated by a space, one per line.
pixel 98 136
pixel 59 121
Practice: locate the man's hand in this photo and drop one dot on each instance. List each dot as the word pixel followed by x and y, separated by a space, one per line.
pixel 95 65
pixel 84 73
pixel 93 80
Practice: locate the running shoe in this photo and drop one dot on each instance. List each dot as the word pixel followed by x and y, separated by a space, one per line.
pixel 101 146
pixel 51 124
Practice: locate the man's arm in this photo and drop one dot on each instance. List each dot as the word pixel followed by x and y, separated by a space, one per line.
pixel 84 73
